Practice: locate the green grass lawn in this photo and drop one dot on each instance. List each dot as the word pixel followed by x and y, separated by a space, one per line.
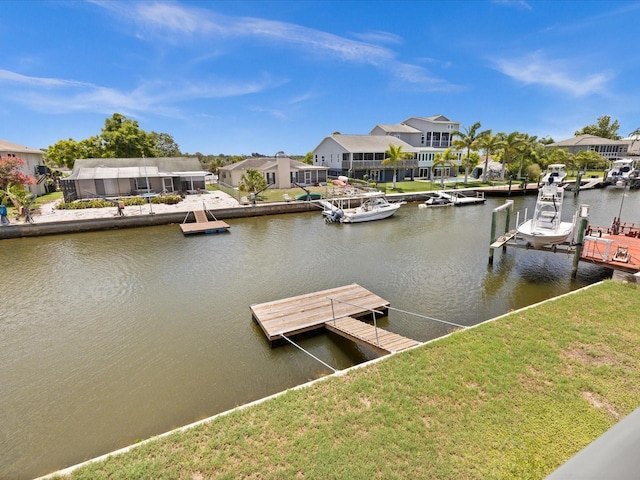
pixel 509 399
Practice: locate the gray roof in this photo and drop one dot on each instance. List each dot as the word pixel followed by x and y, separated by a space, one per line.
pixel 397 128
pixel 434 119
pixel 94 168
pixel 587 141
pixel 370 143
pixel 14 147
pixel 269 163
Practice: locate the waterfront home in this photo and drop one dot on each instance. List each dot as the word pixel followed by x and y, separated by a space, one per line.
pixel 33 165
pixel 279 171
pixel 605 147
pixel 359 155
pixel 121 177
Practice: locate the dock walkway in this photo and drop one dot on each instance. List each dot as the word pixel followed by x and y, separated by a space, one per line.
pixel 314 311
pixel 203 224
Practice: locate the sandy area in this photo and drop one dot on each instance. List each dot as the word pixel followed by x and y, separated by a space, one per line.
pixel 204 201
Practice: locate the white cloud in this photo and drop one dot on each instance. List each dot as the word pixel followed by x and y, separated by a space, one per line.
pixel 514 3
pixel 560 75
pixel 54 95
pixel 172 22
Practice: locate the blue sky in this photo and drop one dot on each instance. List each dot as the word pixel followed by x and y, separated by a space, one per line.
pixel 238 77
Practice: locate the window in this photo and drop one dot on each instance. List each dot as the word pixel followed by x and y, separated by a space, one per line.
pixel 142 183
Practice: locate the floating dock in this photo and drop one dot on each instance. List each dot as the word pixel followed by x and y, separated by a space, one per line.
pixel 337 310
pixel 203 224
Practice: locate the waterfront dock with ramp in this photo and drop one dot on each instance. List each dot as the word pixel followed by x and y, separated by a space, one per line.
pixel 337 310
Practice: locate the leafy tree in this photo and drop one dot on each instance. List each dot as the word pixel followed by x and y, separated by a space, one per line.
pixel 119 138
pixel 10 173
pixel 308 158
pixel 65 152
pixel 394 156
pixel 490 144
pixel 164 145
pixel 604 128
pixel 252 181
pixel 13 182
pixel 467 139
pixel 511 145
pixel 441 160
pixel 586 158
pixel 123 138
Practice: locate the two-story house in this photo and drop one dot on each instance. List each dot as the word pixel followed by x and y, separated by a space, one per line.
pixel 429 136
pixel 358 155
pixel 33 164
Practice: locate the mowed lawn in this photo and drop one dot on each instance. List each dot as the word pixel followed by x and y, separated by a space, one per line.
pixel 512 398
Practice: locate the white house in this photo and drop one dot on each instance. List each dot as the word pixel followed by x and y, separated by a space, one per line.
pixel 429 135
pixel 279 171
pixel 605 147
pixel 359 155
pixel 34 165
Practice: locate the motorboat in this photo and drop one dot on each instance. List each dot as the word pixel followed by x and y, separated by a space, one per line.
pixel 455 198
pixel 557 172
pixel 374 206
pixel 546 227
pixel 437 199
pixel 622 171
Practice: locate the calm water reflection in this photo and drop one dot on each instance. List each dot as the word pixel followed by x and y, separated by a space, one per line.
pixel 110 337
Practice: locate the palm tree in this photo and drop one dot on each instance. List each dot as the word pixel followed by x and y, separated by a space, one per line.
pixel 395 155
pixel 442 159
pixel 527 150
pixel 469 140
pixel 252 181
pixel 511 146
pixel 490 144
pixel 635 135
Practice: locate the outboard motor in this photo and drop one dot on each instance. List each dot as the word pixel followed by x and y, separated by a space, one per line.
pixel 335 216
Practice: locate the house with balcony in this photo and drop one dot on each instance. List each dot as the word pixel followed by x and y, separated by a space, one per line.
pixel 605 147
pixel 279 171
pixel 359 155
pixel 33 165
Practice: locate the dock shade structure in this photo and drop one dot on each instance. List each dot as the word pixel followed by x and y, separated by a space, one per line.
pixel 121 177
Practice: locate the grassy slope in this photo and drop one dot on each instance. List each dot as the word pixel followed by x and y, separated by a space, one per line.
pixel 514 398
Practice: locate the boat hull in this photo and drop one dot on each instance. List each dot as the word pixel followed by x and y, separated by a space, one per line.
pixel 358 216
pixel 540 237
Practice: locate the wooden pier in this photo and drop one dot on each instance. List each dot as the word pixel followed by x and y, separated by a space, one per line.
pixel 617 248
pixel 203 224
pixel 335 309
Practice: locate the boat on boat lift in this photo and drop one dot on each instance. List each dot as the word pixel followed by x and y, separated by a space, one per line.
pixel 546 227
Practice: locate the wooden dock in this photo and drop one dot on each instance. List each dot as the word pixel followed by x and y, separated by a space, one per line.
pixel 368 335
pixel 203 224
pixel 619 251
pixel 313 311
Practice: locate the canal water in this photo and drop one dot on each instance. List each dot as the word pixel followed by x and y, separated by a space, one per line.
pixel 110 337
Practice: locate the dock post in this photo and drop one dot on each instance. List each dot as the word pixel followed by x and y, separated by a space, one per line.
pixel 584 221
pixel 493 235
pixel 576 191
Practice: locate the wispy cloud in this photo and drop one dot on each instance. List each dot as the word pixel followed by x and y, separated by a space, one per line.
pixel 514 3
pixel 174 22
pixel 52 95
pixel 560 75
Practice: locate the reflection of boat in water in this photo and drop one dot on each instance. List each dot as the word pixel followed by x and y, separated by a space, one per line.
pixel 555 171
pixel 443 199
pixel 374 206
pixel 546 226
pixel 622 172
